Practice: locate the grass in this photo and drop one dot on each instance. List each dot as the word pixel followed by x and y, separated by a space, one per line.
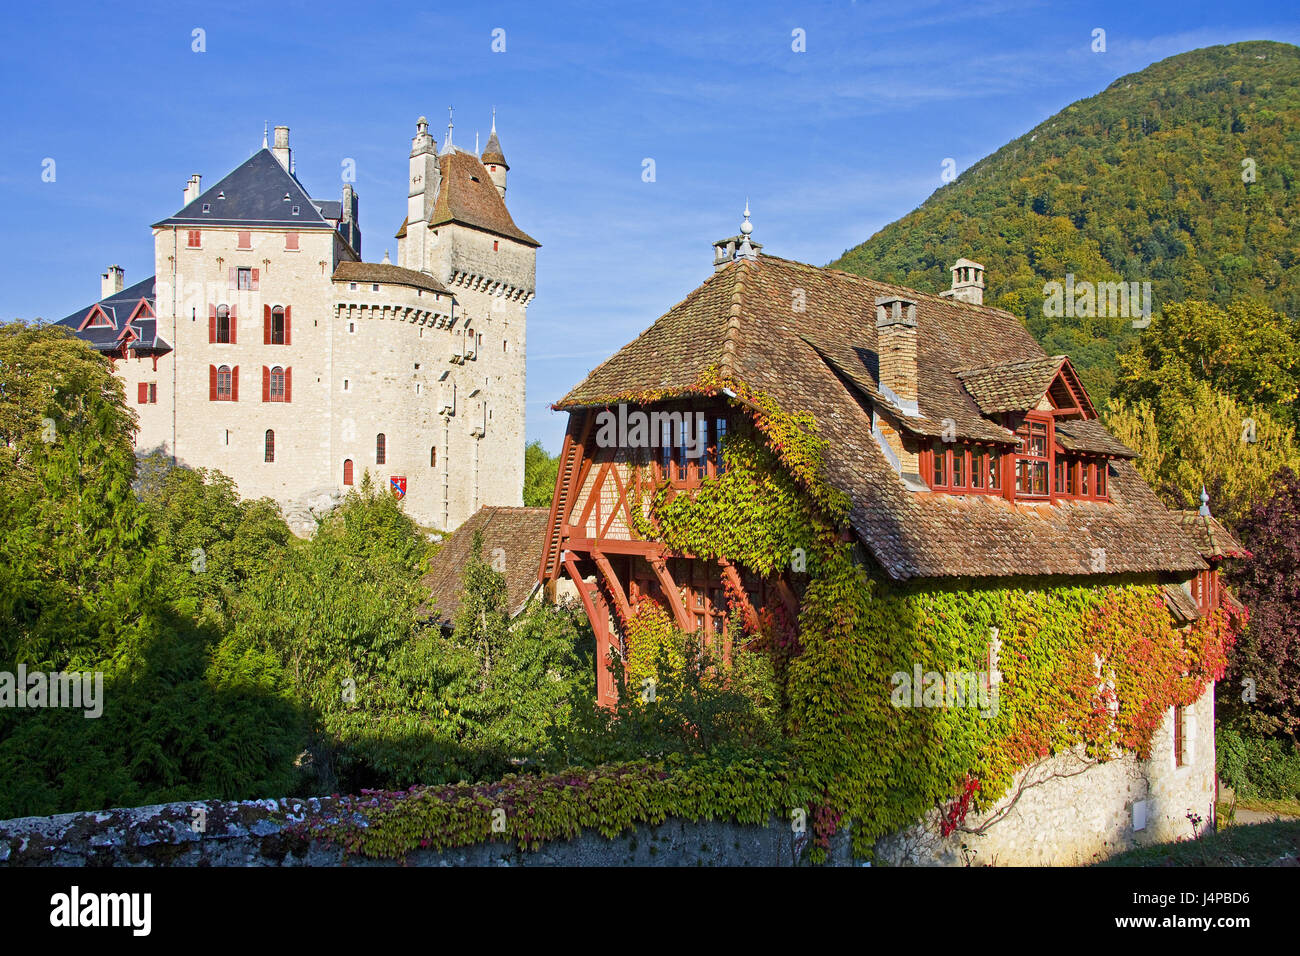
pixel 1284 808
pixel 1256 844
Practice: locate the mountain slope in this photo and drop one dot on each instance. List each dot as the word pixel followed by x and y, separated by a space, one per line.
pixel 1142 182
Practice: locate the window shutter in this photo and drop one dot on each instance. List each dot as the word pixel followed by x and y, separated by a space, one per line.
pixel 288 384
pixel 234 326
pixel 212 383
pixel 142 396
pixel 266 384
pixel 286 326
pixel 266 325
pixel 212 323
pixel 255 272
pixel 234 382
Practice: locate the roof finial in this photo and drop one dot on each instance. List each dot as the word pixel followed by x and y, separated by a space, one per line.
pixel 386 261
pixel 494 119
pixel 745 250
pixel 746 227
pixel 449 126
pixel 266 129
pixel 476 142
pixel 1205 503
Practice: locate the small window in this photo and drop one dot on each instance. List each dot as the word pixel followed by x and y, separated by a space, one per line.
pixel 352 286
pixel 958 466
pixel 153 393
pixel 940 467
pixel 374 287
pixel 433 456
pixel 295 210
pixel 347 471
pixel 207 207
pixel 245 239
pixel 381 449
pixel 244 279
pixel 194 239
pixel 1180 736
pixel 352 326
pixel 291 241
pixel 346 383
pixel 496 245
pixel 269 454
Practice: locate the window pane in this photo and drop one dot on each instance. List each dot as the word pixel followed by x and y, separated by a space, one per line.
pixel 959 466
pixel 993 459
pixel 720 433
pixel 940 454
pixel 977 466
pixel 1101 480
pixel 1084 483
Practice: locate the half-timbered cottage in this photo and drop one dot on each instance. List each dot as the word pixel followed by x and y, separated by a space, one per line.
pixel 964 450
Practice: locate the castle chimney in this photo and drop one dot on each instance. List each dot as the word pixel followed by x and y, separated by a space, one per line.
pixel 967 282
pixel 281 149
pixel 192 189
pixel 111 282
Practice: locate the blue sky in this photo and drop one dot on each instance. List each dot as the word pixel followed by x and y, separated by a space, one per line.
pixel 829 145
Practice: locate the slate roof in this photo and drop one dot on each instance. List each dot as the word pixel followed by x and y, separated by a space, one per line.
pixel 519 532
pixel 119 308
pixel 492 152
pixel 740 321
pixel 387 272
pixel 254 195
pixel 467 195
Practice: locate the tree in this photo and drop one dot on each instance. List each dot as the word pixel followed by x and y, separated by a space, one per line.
pixel 1201 437
pixel 1244 350
pixel 540 470
pixel 1268 653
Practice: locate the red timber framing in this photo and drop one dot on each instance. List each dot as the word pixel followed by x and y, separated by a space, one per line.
pixel 593 540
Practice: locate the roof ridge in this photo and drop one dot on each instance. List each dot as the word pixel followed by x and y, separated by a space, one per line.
pixel 727 367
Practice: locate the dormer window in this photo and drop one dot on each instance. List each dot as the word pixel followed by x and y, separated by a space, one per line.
pixel 207 207
pixel 962 468
pixel 1034 459
pixel 295 210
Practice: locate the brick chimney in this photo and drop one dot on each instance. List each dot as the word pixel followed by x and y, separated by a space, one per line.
pixel 967 282
pixel 192 189
pixel 896 353
pixel 111 282
pixel 281 149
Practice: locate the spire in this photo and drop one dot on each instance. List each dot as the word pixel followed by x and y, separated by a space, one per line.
pixel 266 130
pixel 450 125
pixel 1205 503
pixel 492 152
pixel 746 250
pixel 386 261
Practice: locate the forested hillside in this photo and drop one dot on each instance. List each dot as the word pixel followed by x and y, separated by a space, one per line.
pixel 1149 180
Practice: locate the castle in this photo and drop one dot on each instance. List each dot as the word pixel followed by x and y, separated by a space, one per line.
pixel 263 346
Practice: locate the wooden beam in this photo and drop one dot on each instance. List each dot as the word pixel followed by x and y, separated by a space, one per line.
pixel 669 587
pixel 615 586
pixel 598 615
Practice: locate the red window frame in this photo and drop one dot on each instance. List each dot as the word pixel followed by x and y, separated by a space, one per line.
pixel 1078 478
pixel 963 468
pixel 673 464
pixel 194 239
pixel 1034 457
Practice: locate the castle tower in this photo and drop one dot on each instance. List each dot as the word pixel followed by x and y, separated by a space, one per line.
pixel 495 160
pixel 426 176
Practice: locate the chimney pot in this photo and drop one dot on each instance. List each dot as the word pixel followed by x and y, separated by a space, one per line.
pixel 967 282
pixel 111 282
pixel 281 150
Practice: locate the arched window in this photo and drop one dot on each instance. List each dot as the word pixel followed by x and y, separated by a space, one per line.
pixel 433 456
pixel 224 386
pixel 223 323
pixel 381 449
pixel 277 384
pixel 347 471
pixel 270 446
pixel 277 325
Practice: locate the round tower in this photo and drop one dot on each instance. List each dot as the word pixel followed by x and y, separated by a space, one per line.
pixel 495 160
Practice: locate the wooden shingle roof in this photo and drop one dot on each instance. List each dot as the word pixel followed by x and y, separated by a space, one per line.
pixel 745 320
pixel 520 534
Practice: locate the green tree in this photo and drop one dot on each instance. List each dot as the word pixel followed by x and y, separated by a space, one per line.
pixel 540 470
